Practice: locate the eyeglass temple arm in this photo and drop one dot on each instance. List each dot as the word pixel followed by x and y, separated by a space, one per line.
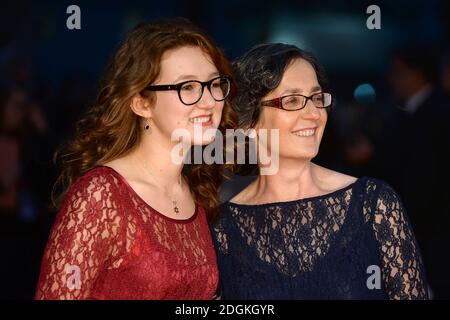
pixel 275 103
pixel 161 87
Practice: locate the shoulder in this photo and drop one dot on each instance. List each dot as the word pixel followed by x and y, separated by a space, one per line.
pixel 382 203
pixel 244 196
pixel 241 197
pixel 91 213
pixel 101 177
pixel 101 186
pixel 92 202
pixel 331 179
pixel 373 191
pixel 378 189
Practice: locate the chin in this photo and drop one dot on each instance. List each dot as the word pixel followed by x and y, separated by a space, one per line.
pixel 305 154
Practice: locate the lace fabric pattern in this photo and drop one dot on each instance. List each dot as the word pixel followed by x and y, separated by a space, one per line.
pixel 323 247
pixel 107 243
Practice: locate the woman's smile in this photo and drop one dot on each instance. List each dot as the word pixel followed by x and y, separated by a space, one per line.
pixel 305 133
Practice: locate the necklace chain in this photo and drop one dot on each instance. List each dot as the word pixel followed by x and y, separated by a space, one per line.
pixel 175 208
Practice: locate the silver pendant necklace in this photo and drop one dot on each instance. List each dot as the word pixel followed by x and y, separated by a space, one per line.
pixel 175 208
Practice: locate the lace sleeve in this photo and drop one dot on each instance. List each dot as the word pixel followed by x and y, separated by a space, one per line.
pixel 220 241
pixel 84 239
pixel 402 268
pixel 219 235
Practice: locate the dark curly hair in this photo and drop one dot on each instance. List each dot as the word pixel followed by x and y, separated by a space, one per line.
pixel 260 70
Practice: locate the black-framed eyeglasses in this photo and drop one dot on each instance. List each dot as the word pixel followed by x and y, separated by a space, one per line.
pixel 295 102
pixel 191 91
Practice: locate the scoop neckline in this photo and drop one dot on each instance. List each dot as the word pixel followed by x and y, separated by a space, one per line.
pixel 181 221
pixel 277 203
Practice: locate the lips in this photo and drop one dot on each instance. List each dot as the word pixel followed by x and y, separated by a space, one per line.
pixel 307 132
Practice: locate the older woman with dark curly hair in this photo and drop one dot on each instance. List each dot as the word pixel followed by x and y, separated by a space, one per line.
pixel 308 232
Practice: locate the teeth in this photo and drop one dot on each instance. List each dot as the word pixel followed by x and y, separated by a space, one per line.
pixel 305 133
pixel 200 119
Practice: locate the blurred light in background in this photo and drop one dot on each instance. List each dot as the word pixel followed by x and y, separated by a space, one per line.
pixel 365 93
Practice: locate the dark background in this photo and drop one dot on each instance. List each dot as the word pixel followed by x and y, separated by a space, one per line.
pixel 49 75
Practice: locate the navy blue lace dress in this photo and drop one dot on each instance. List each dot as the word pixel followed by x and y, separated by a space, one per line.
pixel 354 243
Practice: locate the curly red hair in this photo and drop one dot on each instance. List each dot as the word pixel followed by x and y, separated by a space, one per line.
pixel 110 129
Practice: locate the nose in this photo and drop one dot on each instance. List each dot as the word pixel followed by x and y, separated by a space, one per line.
pixel 206 101
pixel 310 111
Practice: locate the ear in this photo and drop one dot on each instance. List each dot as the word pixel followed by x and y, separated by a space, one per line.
pixel 141 106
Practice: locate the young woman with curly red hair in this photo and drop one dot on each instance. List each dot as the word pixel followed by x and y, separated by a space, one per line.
pixel 133 224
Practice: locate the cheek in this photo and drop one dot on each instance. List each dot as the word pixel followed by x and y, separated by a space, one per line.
pixel 270 118
pixel 285 122
pixel 322 125
pixel 170 113
pixel 274 122
pixel 323 117
pixel 218 109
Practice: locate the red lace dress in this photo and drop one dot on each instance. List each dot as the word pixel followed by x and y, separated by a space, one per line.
pixel 108 243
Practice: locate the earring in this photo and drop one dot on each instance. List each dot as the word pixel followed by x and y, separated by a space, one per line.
pixel 147 126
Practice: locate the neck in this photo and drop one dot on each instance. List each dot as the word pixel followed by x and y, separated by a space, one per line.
pixel 295 179
pixel 154 155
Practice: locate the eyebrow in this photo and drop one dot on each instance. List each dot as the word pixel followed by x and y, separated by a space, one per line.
pixel 193 77
pixel 298 90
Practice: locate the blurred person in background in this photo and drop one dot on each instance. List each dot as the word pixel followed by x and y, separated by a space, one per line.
pixel 11 118
pixel 414 155
pixel 22 143
pixel 445 73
